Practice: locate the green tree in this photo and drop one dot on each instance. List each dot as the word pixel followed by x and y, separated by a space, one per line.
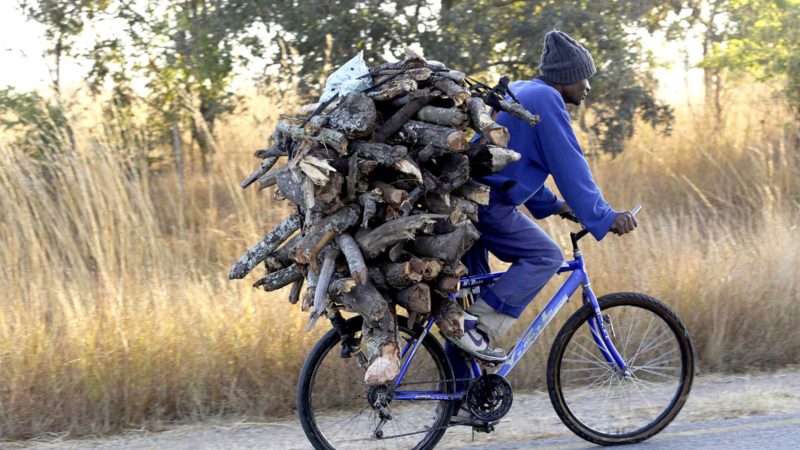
pixel 765 42
pixel 475 36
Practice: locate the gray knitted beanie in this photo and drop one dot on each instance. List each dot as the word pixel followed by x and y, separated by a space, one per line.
pixel 564 61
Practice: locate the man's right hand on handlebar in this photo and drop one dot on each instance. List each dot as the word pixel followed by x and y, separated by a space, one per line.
pixel 625 222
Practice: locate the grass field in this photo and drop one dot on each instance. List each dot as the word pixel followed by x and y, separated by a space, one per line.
pixel 117 312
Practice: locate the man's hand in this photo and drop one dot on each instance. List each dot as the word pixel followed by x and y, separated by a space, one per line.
pixel 625 222
pixel 566 213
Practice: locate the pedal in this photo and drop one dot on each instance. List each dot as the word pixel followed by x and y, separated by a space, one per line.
pixel 486 427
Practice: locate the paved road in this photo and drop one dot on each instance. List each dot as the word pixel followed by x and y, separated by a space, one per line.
pixel 773 432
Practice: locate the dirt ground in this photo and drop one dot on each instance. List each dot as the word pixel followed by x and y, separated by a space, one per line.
pixel 713 397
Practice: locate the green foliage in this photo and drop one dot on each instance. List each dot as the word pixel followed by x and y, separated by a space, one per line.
pixel 37 125
pixel 188 50
pixel 476 36
pixel 765 42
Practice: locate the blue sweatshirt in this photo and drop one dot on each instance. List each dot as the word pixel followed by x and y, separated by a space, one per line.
pixel 549 148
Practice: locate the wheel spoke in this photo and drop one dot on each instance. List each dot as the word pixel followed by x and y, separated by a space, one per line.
pixel 604 400
pixel 344 418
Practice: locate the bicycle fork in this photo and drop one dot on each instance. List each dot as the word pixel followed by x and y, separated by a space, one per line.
pixel 597 325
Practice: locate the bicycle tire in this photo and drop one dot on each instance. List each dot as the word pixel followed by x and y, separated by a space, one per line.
pixel 323 349
pixel 568 331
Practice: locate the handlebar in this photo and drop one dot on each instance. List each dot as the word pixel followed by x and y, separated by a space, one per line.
pixel 583 232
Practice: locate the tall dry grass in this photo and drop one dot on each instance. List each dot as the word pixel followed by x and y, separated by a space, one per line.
pixel 117 313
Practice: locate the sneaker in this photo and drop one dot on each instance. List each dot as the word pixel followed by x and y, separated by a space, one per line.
pixel 476 343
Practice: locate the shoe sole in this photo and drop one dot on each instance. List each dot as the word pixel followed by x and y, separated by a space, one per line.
pixel 481 357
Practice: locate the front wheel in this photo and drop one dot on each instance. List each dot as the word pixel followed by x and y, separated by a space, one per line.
pixel 598 402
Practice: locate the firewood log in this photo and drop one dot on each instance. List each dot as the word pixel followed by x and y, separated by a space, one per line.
pixel 431 269
pixel 269 152
pixel 326 136
pixel 377 277
pixel 487 159
pixel 470 209
pixel 396 122
pixel 262 169
pixel 473 191
pixel 392 89
pixel 457 93
pixel 297 288
pixel 446 172
pixel 457 269
pixel 355 260
pixel 280 278
pixel 369 200
pixel 321 297
pixel 519 111
pixel 407 167
pixel 366 301
pixel 270 242
pixel 315 125
pixel 447 284
pixel 422 133
pixel 458 77
pixel 400 274
pixel 415 298
pixel 448 315
pixel 292 188
pixel 419 74
pixel 374 242
pixel 337 223
pixel 270 178
pixel 483 124
pixel 449 247
pixel 448 117
pixel 382 153
pixel 341 286
pixel 391 195
pixel 382 351
pixel 405 99
pixel 356 116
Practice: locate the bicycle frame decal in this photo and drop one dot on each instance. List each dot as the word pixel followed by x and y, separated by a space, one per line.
pixel 572 284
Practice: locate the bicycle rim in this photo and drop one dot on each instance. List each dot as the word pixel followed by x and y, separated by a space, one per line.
pixel 339 403
pixel 606 406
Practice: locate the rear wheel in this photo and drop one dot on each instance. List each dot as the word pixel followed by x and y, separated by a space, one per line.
pixel 607 407
pixel 334 403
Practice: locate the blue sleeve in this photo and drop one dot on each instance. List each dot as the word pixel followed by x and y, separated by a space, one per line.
pixel 564 159
pixel 543 203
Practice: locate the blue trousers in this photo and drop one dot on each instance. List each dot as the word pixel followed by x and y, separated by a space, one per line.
pixel 514 238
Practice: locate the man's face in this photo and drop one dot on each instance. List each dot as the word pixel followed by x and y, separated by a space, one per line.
pixel 575 93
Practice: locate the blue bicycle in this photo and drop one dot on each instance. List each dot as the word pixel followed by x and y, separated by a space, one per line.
pixel 619 371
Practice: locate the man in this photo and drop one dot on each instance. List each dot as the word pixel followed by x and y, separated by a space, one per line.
pixel 549 148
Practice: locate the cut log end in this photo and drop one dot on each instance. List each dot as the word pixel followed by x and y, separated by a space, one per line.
pixel 385 367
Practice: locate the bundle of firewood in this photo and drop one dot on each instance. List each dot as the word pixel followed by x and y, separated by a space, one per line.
pixel 380 181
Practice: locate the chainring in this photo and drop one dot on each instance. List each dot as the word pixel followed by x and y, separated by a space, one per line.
pixel 489 397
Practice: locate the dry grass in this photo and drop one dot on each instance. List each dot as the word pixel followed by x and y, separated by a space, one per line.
pixel 117 312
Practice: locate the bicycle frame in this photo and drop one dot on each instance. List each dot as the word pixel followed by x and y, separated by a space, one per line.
pixel 578 278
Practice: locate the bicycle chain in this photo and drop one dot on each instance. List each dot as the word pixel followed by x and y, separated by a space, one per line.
pixel 395 436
